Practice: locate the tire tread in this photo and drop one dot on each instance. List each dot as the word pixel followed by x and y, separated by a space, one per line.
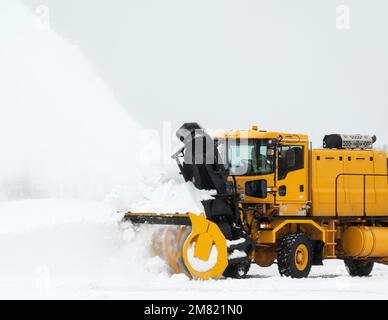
pixel 286 253
pixel 358 268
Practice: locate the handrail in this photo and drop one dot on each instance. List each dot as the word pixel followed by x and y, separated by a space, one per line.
pixel 364 175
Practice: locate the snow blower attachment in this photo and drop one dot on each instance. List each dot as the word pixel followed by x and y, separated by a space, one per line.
pixel 213 243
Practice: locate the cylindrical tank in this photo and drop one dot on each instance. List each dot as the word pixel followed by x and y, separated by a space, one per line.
pixel 364 242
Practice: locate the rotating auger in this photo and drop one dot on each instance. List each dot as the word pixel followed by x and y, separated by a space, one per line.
pixel 213 243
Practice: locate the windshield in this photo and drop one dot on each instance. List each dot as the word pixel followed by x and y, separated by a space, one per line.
pixel 248 157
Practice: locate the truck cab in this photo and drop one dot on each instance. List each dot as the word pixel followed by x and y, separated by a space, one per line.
pixel 270 169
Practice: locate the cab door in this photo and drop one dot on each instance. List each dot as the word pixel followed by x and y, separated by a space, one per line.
pixel 292 179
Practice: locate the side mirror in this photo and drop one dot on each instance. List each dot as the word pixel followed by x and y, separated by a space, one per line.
pixel 290 158
pixel 256 189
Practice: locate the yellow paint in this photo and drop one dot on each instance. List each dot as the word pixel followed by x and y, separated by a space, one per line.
pixel 270 236
pixel 203 247
pixel 362 241
pixel 301 257
pixel 169 251
pixel 321 173
pixel 205 234
pixel 327 164
pixel 255 134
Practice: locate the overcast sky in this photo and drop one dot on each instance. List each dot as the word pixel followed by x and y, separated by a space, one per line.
pixel 284 65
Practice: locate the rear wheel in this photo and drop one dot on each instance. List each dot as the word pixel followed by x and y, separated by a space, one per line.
pixel 359 268
pixel 295 255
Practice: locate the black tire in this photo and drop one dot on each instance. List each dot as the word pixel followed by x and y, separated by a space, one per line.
pixel 295 255
pixel 238 270
pixel 359 268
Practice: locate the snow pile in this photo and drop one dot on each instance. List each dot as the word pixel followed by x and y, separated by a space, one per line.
pixel 67 145
pixel 62 132
pixel 237 254
pixel 163 197
pixel 55 246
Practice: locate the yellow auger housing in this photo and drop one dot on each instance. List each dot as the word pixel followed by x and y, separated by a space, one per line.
pixel 205 251
pixel 198 249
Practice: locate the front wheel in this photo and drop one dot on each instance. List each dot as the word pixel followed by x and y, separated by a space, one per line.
pixel 295 256
pixel 358 268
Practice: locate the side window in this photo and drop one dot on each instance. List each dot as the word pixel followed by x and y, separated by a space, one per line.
pixel 291 158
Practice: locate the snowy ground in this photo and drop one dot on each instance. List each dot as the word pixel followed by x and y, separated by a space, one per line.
pixel 75 249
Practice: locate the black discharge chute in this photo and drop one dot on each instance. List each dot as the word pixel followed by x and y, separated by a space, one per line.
pixel 200 162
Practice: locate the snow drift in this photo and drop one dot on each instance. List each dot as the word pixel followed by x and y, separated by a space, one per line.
pixel 71 157
pixel 62 132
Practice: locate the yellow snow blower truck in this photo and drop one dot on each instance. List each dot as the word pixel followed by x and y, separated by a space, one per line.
pixel 276 200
